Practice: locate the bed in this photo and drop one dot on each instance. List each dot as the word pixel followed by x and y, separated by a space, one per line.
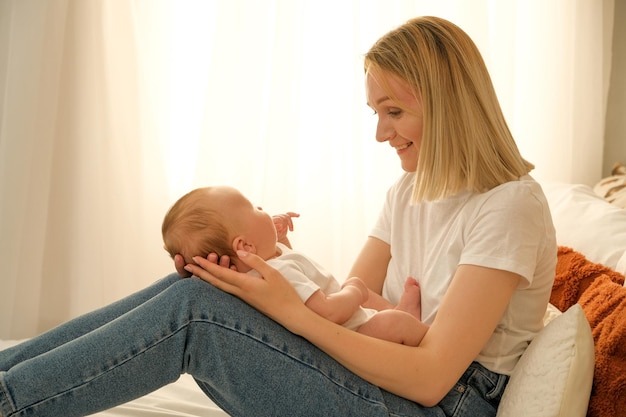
pixel 575 367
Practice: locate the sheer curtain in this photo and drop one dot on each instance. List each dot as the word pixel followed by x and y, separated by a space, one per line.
pixel 110 110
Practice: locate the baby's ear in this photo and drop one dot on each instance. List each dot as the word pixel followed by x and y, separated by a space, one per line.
pixel 240 243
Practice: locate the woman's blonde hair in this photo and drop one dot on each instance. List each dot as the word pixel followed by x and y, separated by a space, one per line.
pixel 466 143
pixel 192 227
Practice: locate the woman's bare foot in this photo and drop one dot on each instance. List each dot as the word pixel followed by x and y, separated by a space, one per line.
pixel 411 300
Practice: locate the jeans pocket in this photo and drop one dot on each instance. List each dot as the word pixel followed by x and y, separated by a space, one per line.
pixel 477 393
pixel 498 390
pixel 489 385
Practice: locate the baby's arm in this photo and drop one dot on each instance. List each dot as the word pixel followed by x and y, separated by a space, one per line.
pixel 340 306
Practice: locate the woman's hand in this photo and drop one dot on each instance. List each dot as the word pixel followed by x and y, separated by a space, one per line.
pixel 271 293
pixel 179 263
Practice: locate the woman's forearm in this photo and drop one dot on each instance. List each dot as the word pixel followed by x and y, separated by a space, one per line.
pixel 371 264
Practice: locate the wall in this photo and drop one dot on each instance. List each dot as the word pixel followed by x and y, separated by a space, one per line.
pixel 615 133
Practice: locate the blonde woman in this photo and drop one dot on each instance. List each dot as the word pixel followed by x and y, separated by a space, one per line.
pixel 465 219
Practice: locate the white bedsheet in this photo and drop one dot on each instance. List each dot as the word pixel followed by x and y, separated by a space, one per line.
pixel 182 398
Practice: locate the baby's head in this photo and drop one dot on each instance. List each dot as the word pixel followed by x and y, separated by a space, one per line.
pixel 217 220
pixel 196 226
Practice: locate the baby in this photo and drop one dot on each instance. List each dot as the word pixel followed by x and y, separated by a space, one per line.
pixel 221 220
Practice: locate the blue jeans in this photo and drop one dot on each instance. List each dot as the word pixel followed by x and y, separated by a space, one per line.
pixel 246 363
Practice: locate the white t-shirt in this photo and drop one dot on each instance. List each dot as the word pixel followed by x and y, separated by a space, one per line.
pixel 508 228
pixel 307 276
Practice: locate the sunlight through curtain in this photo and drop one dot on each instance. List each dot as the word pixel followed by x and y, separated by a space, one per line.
pixel 111 110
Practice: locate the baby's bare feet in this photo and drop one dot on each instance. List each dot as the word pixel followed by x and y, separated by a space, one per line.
pixel 411 300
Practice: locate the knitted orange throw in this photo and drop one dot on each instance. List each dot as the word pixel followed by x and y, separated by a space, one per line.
pixel 600 292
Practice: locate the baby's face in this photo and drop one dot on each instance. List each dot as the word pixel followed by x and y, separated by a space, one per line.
pixel 255 224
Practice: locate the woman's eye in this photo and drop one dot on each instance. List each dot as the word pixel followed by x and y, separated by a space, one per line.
pixel 392 113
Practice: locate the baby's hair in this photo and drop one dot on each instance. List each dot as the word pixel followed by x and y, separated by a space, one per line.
pixel 194 227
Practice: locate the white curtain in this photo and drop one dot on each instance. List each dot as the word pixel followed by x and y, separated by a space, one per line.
pixel 112 109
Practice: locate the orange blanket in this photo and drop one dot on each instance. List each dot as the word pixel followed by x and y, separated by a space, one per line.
pixel 600 292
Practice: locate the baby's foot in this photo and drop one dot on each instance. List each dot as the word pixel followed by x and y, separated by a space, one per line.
pixel 411 300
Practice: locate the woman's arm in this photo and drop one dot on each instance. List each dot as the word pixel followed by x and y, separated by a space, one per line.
pixel 468 314
pixel 371 267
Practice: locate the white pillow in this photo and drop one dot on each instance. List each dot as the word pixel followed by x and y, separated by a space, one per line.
pixel 554 375
pixel 551 313
pixel 588 224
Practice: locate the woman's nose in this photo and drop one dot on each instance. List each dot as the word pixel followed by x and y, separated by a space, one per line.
pixel 384 132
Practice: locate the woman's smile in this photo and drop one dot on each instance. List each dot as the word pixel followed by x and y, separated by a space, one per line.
pixel 401 148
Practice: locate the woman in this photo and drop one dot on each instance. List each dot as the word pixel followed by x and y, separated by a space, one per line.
pixel 465 220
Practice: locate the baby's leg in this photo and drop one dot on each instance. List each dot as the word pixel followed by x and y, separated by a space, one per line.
pixel 395 326
pixel 411 301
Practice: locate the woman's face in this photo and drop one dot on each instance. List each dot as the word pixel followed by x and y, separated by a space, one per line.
pixel 402 129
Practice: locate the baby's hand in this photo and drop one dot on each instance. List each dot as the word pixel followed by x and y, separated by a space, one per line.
pixel 284 223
